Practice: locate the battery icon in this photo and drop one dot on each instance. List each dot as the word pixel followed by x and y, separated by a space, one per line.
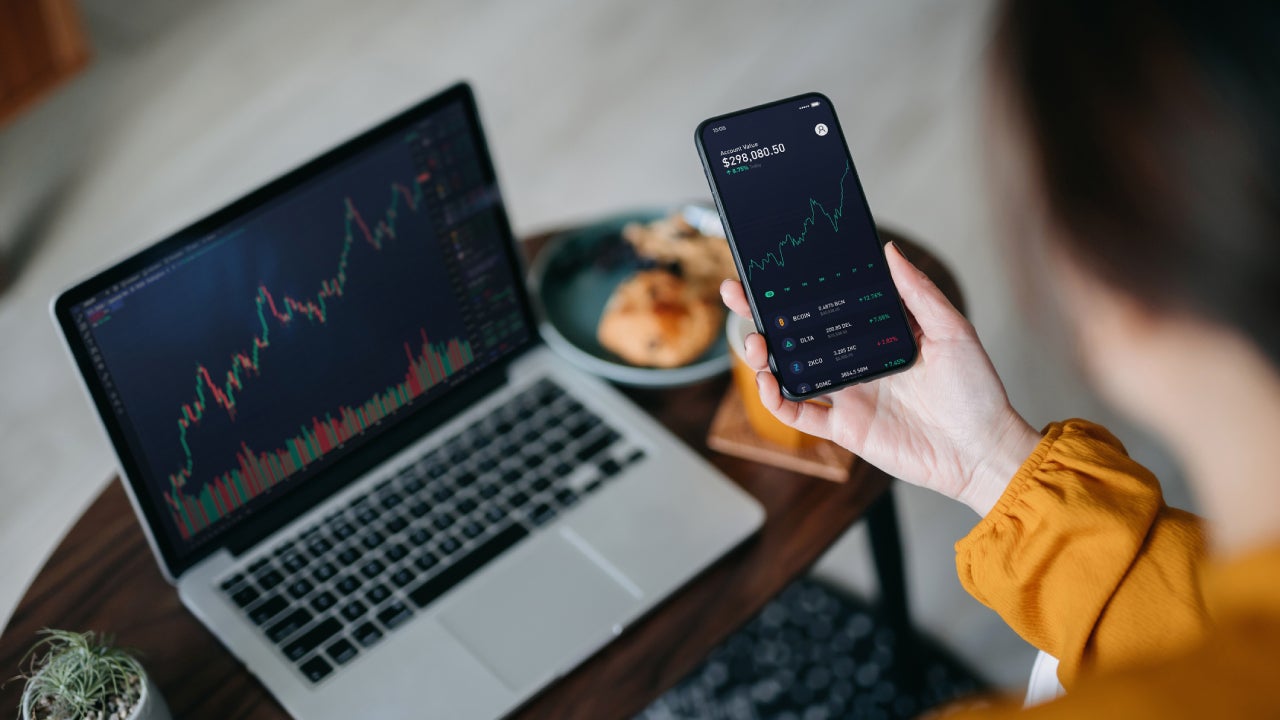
pixel 815 103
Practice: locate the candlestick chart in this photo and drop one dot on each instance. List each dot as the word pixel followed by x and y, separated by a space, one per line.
pixel 287 340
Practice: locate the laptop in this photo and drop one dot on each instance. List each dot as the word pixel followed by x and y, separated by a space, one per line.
pixel 354 456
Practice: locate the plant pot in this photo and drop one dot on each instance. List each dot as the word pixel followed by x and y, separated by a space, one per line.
pixel 151 706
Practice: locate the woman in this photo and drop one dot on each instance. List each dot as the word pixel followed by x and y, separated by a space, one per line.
pixel 1147 173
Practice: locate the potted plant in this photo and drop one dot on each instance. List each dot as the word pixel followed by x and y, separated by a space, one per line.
pixel 83 676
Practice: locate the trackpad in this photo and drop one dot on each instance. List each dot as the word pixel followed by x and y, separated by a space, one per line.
pixel 546 608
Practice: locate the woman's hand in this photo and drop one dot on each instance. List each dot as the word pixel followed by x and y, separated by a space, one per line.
pixel 945 423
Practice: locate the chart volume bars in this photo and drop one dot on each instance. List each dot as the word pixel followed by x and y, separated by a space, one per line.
pixel 258 472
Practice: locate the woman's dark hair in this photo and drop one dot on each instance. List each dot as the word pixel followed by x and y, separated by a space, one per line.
pixel 1153 134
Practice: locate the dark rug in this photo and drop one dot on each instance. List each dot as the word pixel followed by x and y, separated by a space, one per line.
pixel 814 653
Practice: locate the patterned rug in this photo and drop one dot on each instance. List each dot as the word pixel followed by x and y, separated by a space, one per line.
pixel 815 653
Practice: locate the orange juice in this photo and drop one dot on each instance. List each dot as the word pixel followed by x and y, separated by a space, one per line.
pixel 744 378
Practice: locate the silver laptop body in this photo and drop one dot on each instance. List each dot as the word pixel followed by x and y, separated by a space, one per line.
pixel 461 569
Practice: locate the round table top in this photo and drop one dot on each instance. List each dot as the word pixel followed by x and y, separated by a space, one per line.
pixel 103 577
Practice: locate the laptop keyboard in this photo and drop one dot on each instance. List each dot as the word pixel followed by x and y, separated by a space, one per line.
pixel 342 584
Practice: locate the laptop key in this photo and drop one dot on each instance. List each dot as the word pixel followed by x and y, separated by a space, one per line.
pixel 472 529
pixel 541 513
pixel 341 651
pixel 353 610
pixel 319 546
pixel 311 639
pixel 373 539
pixel 397 524
pixel 449 545
pixel 391 500
pixel 419 509
pixel 367 634
pixel 372 569
pixel 268 609
pixel 348 584
pixel 293 562
pixel 593 448
pixel 290 624
pixel 349 555
pixel 396 552
pixel 426 561
pixel 258 564
pixel 394 614
pixel 467 505
pixel 300 589
pixel 377 593
pixel 488 490
pixel 427 592
pixel 367 515
pixel 517 499
pixel 566 497
pixel 419 536
pixel 323 601
pixel 270 579
pixel 343 530
pixel 232 581
pixel 494 514
pixel 325 571
pixel 316 669
pixel 245 596
pixel 403 577
pixel 610 467
pixel 442 521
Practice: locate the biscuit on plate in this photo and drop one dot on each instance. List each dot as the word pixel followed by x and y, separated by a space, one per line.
pixel 656 319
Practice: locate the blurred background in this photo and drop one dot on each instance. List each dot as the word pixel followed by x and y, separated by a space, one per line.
pixel 590 107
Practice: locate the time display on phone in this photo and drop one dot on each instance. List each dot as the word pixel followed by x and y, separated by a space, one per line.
pixel 806 246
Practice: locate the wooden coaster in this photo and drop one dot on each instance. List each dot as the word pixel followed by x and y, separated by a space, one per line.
pixel 731 434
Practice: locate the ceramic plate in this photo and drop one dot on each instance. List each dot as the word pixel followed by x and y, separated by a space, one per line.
pixel 572 279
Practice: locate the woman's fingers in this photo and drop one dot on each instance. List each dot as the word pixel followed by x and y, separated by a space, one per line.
pixel 735 298
pixel 809 418
pixel 936 316
pixel 756 352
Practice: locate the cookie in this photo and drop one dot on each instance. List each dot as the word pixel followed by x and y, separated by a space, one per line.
pixel 656 319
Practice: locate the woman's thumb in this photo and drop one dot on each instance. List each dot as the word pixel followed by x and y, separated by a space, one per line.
pixel 936 316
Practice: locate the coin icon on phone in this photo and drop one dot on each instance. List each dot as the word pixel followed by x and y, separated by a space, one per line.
pixel 821 129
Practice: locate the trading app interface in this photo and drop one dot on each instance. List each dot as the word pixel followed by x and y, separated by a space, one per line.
pixel 251 358
pixel 810 255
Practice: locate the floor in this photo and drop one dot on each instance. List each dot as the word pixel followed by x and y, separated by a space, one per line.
pixel 590 107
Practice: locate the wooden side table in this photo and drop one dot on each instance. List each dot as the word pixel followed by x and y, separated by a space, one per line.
pixel 102 577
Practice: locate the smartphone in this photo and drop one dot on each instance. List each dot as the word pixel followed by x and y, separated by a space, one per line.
pixel 805 245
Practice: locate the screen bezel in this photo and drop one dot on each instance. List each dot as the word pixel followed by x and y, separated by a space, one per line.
pixel 246 531
pixel 707 169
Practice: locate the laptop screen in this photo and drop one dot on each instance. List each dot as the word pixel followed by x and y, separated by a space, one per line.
pixel 251 357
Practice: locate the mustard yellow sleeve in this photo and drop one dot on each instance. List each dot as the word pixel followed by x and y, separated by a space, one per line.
pixel 1084 560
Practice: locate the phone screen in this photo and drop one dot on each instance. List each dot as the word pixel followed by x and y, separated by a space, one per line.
pixel 805 244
